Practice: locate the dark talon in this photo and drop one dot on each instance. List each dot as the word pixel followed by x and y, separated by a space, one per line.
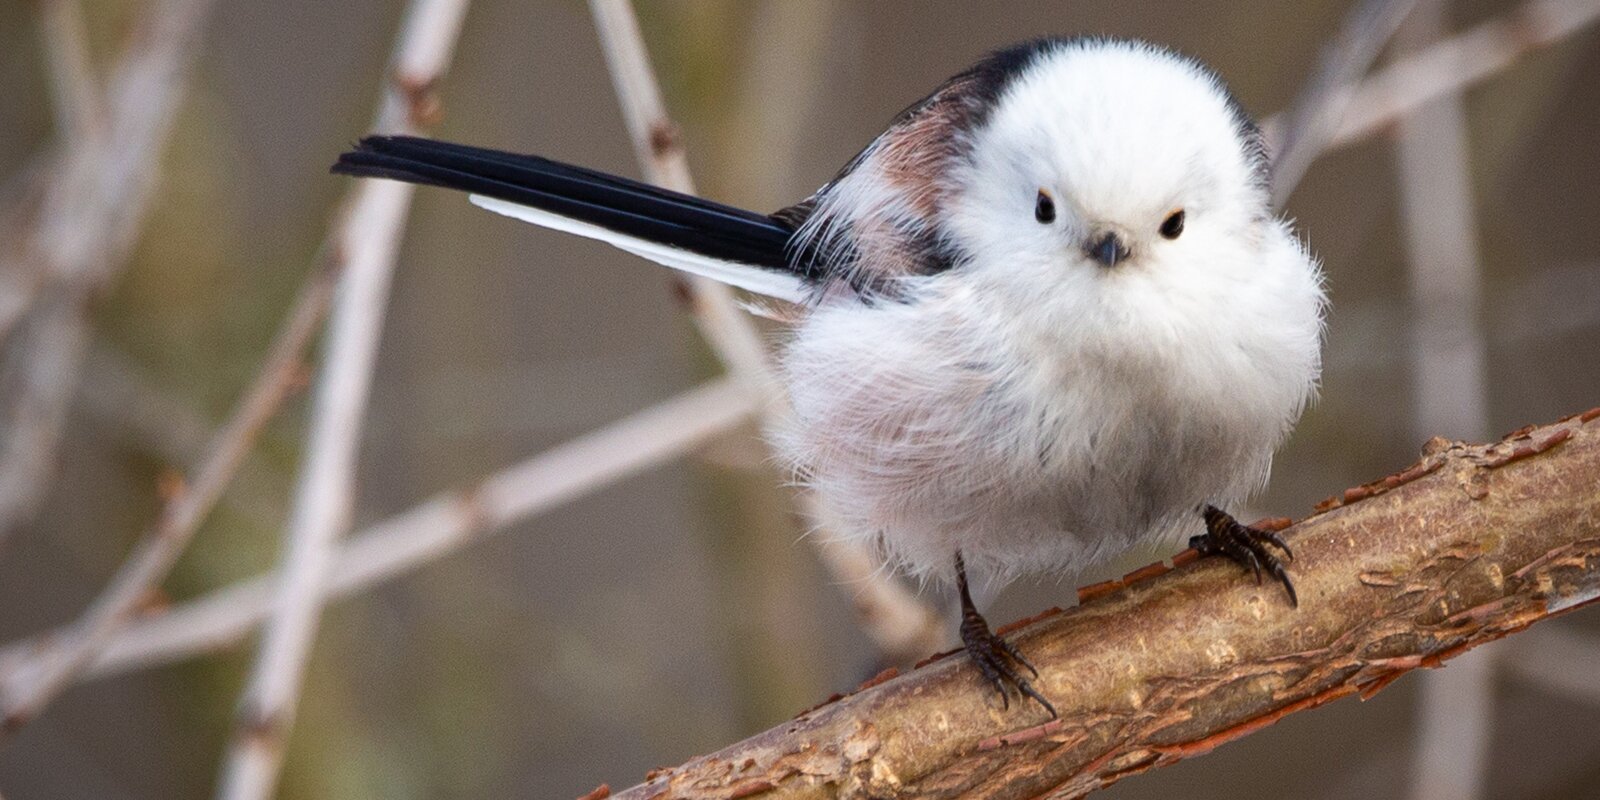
pixel 1226 536
pixel 993 655
pixel 1278 572
pixel 1277 541
pixel 1255 562
pixel 1016 655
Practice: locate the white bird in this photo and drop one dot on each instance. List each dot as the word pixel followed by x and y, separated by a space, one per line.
pixel 1048 313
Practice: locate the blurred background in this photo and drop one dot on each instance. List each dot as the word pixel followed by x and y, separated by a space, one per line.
pixel 678 609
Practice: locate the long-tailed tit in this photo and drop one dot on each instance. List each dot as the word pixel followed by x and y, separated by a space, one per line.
pixel 1047 315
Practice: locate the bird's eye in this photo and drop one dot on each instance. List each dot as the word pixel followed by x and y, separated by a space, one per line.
pixel 1044 209
pixel 1172 225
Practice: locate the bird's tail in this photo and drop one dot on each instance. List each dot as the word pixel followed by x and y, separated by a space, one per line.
pixel 731 245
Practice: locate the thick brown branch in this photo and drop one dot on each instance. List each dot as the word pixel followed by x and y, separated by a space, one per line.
pixel 1472 543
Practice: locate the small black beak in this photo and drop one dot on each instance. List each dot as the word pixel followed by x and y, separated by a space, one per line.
pixel 1108 250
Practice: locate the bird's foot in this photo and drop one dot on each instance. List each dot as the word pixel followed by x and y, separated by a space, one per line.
pixel 995 657
pixel 1249 546
pixel 998 660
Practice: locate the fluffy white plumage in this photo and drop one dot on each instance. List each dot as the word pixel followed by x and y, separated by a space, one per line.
pixel 1033 408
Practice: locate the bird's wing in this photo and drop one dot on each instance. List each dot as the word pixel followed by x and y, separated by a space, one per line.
pixel 879 219
pixel 698 236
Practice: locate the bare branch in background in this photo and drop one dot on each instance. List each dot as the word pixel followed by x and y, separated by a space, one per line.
pixel 1450 391
pixel 1471 544
pixel 882 604
pixel 23 694
pixel 367 241
pixel 90 210
pixel 37 377
pixel 429 531
pixel 1310 123
pixel 904 628
pixel 121 400
pixel 94 205
pixel 659 148
pixel 1457 62
pixel 1447 67
pixel 403 543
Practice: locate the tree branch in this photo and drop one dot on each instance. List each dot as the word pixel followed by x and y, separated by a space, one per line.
pixel 25 692
pixel 660 152
pixel 1445 68
pixel 1309 124
pixel 1470 544
pixel 418 536
pixel 367 240
pixel 90 208
pixel 1454 63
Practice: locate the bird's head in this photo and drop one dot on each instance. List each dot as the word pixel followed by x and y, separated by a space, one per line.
pixel 1104 157
pixel 1083 167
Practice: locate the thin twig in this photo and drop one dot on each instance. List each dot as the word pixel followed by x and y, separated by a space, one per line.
pixel 1455 63
pixel 427 532
pixel 89 213
pixel 1448 67
pixel 659 148
pixel 122 400
pixel 905 629
pixel 1316 112
pixel 24 694
pixel 881 603
pixel 367 241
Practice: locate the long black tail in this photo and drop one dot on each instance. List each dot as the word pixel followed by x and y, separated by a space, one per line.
pixel 629 208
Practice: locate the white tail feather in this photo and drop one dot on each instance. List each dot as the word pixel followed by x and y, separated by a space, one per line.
pixel 762 281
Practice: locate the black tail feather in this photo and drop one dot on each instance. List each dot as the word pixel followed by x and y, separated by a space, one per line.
pixel 612 202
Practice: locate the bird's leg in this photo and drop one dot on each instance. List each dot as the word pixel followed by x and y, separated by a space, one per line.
pixel 1251 547
pixel 993 655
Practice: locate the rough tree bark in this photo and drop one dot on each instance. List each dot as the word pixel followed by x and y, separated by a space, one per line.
pixel 1470 544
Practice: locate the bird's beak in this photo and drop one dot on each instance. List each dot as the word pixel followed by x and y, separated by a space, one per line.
pixel 1107 250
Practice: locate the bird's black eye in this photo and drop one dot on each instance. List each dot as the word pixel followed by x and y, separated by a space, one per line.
pixel 1172 225
pixel 1044 209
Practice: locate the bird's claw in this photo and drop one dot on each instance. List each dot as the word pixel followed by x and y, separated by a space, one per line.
pixel 1248 546
pixel 997 659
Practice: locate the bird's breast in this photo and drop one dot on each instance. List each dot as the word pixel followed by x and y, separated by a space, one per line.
pixel 950 422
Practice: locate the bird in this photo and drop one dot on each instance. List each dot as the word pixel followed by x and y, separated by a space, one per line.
pixel 1046 316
